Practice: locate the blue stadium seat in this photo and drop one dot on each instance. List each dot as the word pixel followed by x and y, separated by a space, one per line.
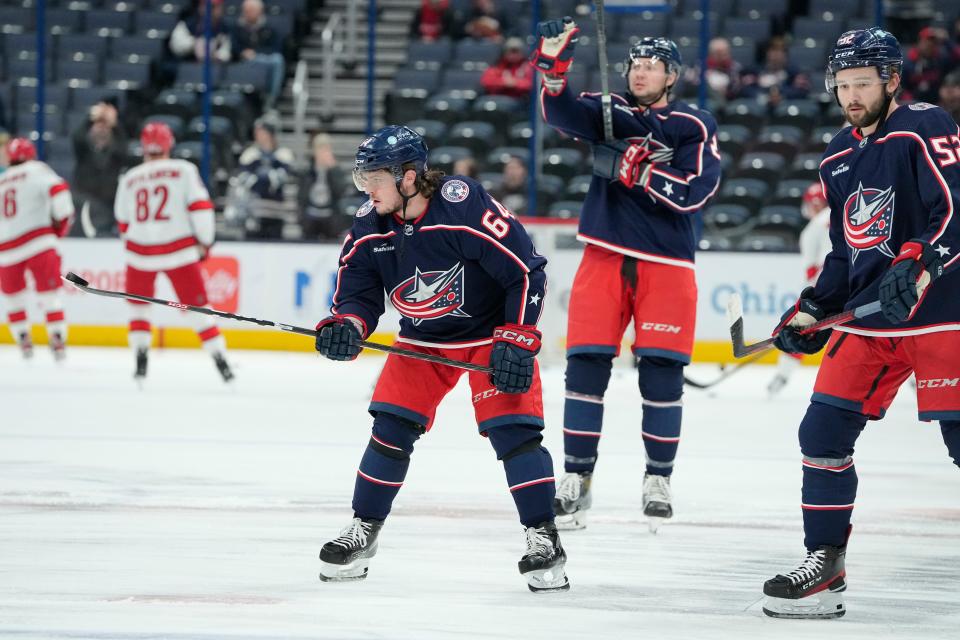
pixel 578 186
pixel 733 139
pixel 432 131
pixel 808 54
pixel 762 165
pixel 482 51
pixel 15 20
pixel 498 110
pixel 444 157
pixel 155 24
pixel 565 209
pixel 446 108
pixel 184 103
pixel 108 23
pixel 757 30
pixel 466 82
pixel 745 111
pixel 477 136
pixel 838 8
pixel 246 76
pixel 820 137
pixel 816 27
pixel 24 45
pixel 761 9
pixel 768 243
pixel 499 156
pixel 630 27
pixel 426 81
pixel 281 24
pixel 82 98
pixel 803 114
pixel 63 21
pixel 438 51
pixel 84 73
pixel 136 49
pixel 563 162
pixel 190 76
pixel 805 166
pixel 85 43
pixel 790 191
pixel 126 75
pixel 782 139
pixel 725 216
pixel 749 192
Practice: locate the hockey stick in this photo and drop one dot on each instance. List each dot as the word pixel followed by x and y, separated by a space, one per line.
pixel 724 374
pixel 606 106
pixel 83 285
pixel 735 318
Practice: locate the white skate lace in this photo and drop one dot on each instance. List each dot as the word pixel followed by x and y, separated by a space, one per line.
pixel 354 535
pixel 656 489
pixel 569 489
pixel 810 567
pixel 538 542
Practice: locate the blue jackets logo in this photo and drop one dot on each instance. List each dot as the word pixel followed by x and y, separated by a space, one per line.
pixel 429 295
pixel 868 220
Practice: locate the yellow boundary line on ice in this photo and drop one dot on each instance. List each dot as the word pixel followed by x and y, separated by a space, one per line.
pixel 181 338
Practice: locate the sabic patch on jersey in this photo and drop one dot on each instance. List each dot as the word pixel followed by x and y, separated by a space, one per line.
pixel 921 106
pixel 429 295
pixel 455 191
pixel 365 208
pixel 868 220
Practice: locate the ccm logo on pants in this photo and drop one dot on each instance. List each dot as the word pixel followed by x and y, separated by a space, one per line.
pixel 937 383
pixel 657 326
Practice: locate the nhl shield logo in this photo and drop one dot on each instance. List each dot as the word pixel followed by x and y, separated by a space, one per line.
pixel 455 191
pixel 429 295
pixel 868 220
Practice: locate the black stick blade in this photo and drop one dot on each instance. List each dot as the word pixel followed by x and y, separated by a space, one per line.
pixel 73 278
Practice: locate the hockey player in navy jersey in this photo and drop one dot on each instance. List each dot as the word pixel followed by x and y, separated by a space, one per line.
pixel 638 223
pixel 892 181
pixel 469 285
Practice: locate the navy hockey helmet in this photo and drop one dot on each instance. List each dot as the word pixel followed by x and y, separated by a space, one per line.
pixel 871 47
pixel 663 49
pixel 390 148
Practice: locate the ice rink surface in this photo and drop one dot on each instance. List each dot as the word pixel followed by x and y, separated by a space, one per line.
pixel 189 510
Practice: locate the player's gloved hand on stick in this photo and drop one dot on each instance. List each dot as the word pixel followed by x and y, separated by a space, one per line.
pixel 905 280
pixel 554 53
pixel 801 315
pixel 621 160
pixel 514 351
pixel 339 337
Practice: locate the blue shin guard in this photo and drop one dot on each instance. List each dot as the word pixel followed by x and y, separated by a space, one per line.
pixel 661 385
pixel 587 378
pixel 529 470
pixel 384 465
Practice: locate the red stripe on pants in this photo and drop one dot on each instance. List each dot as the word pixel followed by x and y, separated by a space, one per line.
pixel 55 316
pixel 17 316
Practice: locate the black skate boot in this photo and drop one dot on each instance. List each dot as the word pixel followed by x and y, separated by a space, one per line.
pixel 141 371
pixel 657 500
pixel 542 563
pixel 58 347
pixel 347 556
pixel 223 367
pixel 812 590
pixel 572 500
pixel 26 345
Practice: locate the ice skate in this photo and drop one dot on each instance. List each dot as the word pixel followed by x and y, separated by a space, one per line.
pixel 141 371
pixel 347 556
pixel 657 500
pixel 811 591
pixel 542 563
pixel 572 500
pixel 223 367
pixel 775 385
pixel 57 347
pixel 26 345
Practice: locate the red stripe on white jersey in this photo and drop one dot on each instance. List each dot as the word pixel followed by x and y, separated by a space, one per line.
pixel 160 249
pixel 209 334
pixel 200 205
pixel 25 238
pixel 59 188
pixel 139 325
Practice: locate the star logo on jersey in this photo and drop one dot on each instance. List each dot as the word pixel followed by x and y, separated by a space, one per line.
pixel 868 220
pixel 667 188
pixel 429 295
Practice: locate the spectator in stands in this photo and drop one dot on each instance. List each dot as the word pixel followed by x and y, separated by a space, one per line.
pixel 255 40
pixel 483 21
pixel 512 192
pixel 432 21
pixel 903 18
pixel 187 40
pixel 723 73
pixel 321 187
pixel 265 168
pixel 466 167
pixel 950 95
pixel 511 75
pixel 776 79
pixel 99 149
pixel 926 63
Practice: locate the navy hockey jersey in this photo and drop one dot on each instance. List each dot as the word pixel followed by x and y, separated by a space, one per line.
pixel 655 220
pixel 462 268
pixel 901 183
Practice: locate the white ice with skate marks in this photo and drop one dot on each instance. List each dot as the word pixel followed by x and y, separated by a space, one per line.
pixel 193 511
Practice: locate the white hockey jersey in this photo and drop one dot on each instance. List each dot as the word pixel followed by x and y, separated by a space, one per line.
pixel 35 205
pixel 165 215
pixel 815 244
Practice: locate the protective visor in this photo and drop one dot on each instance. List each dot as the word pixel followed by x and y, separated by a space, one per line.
pixel 370 180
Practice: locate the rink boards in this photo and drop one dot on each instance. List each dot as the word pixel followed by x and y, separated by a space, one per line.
pixel 294 284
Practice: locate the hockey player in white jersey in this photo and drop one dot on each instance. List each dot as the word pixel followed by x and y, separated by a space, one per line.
pixel 165 217
pixel 814 247
pixel 35 210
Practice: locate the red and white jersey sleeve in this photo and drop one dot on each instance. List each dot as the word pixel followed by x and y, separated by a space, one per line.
pixel 165 215
pixel 815 244
pixel 33 199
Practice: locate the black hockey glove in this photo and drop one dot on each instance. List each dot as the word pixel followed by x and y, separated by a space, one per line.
pixel 620 160
pixel 802 314
pixel 906 279
pixel 514 351
pixel 338 338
